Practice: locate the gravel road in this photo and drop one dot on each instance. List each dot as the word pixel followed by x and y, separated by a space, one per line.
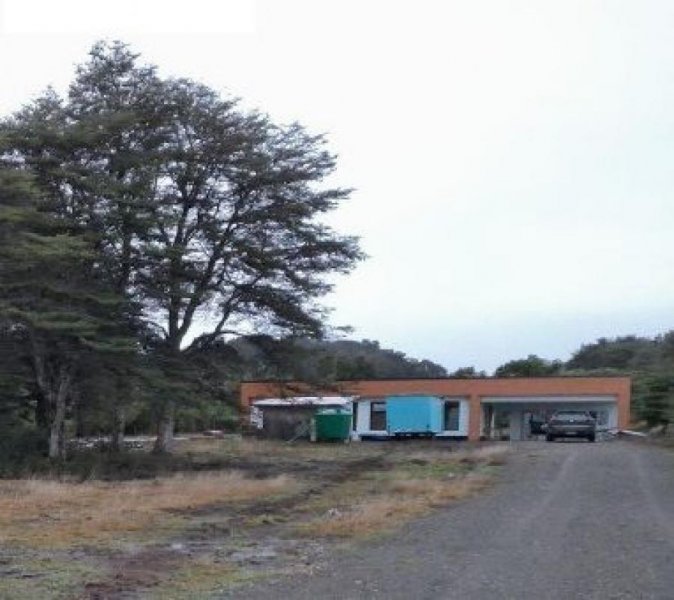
pixel 565 520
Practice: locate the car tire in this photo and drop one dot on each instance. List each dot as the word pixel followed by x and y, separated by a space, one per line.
pixel 549 438
pixel 591 438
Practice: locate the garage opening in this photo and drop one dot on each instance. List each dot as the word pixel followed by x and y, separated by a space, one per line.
pixel 522 418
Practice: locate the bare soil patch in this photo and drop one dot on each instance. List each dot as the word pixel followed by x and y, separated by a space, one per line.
pixel 197 533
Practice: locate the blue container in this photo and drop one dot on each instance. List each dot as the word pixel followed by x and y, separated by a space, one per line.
pixel 414 415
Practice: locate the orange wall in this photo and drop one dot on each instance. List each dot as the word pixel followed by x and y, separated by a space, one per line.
pixel 474 389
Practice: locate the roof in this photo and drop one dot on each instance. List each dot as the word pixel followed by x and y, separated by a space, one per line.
pixel 305 401
pixel 451 378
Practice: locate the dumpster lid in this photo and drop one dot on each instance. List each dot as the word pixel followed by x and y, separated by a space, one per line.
pixel 334 410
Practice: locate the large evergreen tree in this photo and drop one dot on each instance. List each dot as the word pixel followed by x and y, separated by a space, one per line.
pixel 206 215
pixel 52 302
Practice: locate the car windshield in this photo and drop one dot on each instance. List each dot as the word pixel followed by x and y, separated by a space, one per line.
pixel 570 416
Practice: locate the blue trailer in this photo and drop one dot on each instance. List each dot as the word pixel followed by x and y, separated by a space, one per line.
pixel 414 415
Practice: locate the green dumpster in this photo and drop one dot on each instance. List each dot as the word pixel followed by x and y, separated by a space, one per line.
pixel 333 424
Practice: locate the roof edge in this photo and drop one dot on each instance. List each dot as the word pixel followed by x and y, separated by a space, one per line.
pixel 520 377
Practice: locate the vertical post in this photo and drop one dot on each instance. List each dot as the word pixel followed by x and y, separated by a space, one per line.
pixel 516 418
pixel 474 418
pixel 623 400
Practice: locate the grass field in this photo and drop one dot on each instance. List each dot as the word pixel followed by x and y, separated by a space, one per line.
pixel 237 509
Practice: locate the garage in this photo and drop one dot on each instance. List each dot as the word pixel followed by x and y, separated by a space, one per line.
pixel 519 418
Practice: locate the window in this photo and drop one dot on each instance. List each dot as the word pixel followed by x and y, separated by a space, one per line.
pixel 377 416
pixel 451 416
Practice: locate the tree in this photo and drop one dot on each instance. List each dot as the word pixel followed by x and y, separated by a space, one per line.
pixel 467 373
pixel 623 353
pixel 531 366
pixel 50 298
pixel 325 362
pixel 655 398
pixel 207 215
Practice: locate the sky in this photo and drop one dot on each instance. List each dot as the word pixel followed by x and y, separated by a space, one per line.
pixel 512 160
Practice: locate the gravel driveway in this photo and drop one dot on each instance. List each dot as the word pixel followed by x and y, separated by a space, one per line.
pixel 566 520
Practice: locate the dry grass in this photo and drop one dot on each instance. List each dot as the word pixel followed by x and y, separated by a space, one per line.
pixel 356 490
pixel 48 513
pixel 417 482
pixel 407 499
pixel 412 488
pixel 489 454
pixel 365 518
pixel 438 493
pixel 54 513
pixel 273 450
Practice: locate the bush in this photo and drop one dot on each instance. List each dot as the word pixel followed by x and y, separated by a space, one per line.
pixel 206 415
pixel 22 446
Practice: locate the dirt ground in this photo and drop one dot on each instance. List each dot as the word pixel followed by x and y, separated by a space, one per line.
pixel 564 520
pixel 246 510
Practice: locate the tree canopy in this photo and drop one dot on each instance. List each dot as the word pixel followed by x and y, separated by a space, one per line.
pixel 531 366
pixel 204 218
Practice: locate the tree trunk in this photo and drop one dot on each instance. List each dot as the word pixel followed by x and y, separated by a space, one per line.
pixel 118 426
pixel 78 412
pixel 41 409
pixel 54 383
pixel 166 424
pixel 165 429
pixel 57 441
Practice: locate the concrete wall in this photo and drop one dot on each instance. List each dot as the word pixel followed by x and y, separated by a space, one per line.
pixel 464 417
pixel 363 419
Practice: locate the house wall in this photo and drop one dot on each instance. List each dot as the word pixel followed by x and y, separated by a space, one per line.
pixel 363 426
pixel 362 416
pixel 285 424
pixel 464 415
pixel 473 390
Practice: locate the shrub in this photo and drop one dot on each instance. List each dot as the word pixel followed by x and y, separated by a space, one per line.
pixel 22 446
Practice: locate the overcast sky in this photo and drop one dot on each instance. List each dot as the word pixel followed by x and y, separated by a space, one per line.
pixel 512 159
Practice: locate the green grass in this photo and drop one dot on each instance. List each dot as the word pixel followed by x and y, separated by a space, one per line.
pixel 203 579
pixel 47 578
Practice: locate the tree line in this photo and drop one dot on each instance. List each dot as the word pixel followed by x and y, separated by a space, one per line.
pixel 143 219
pixel 649 361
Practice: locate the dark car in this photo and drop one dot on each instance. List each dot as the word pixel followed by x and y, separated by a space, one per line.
pixel 571 423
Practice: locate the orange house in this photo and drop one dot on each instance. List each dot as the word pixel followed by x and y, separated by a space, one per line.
pixel 474 408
